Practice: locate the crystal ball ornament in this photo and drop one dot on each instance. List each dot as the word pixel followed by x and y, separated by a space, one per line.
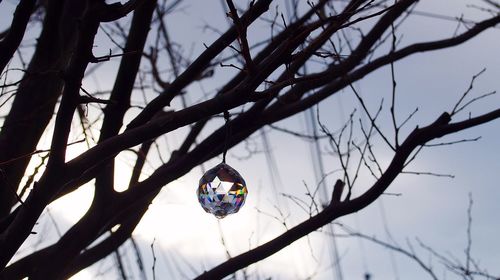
pixel 222 191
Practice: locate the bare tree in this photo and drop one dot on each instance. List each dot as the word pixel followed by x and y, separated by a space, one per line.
pixel 270 84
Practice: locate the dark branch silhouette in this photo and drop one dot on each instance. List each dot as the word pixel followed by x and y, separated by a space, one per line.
pixel 271 82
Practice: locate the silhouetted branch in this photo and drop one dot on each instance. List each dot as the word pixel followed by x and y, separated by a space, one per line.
pixel 274 86
pixel 241 27
pixel 154 259
pixel 14 36
pixel 417 137
pixel 197 66
pixel 117 10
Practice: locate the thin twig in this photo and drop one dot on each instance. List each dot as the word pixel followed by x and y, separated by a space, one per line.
pixel 469 235
pixel 452 142
pixel 154 258
pixel 361 101
pixel 471 85
pixel 428 174
pixel 37 152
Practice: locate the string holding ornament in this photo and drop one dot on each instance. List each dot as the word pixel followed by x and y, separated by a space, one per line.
pixel 222 190
pixel 228 134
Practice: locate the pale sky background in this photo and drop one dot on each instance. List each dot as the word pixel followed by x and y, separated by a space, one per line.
pixel 188 240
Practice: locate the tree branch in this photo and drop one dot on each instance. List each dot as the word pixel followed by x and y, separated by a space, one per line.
pixel 11 41
pixel 419 136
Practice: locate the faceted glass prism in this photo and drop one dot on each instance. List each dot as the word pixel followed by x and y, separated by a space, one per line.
pixel 222 191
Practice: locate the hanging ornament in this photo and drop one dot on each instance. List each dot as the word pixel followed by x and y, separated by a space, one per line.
pixel 222 190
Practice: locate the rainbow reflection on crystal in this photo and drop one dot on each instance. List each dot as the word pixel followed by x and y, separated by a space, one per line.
pixel 222 191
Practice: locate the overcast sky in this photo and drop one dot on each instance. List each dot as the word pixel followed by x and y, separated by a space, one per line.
pixel 432 209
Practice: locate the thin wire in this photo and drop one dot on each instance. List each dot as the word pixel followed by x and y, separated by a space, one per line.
pixel 228 134
pixel 276 182
pixel 389 237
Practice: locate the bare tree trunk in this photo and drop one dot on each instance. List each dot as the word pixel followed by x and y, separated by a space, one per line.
pixel 36 97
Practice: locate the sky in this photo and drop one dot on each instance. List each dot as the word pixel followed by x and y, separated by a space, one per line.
pixel 432 209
